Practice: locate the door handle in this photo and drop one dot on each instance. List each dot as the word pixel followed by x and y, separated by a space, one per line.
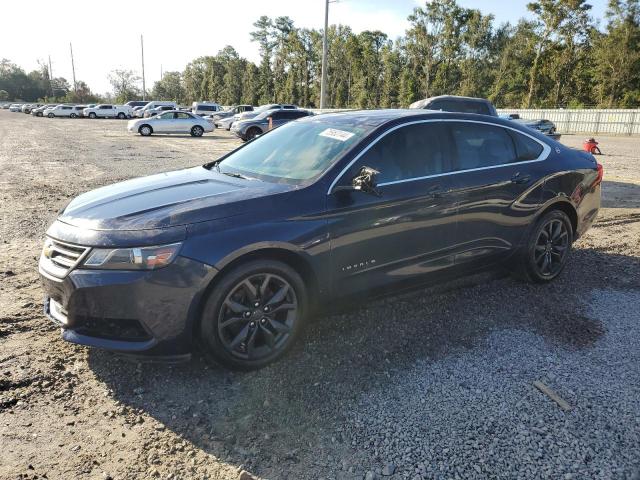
pixel 518 178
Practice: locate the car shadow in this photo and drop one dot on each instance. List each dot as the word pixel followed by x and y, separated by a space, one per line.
pixel 258 419
pixel 207 136
pixel 620 194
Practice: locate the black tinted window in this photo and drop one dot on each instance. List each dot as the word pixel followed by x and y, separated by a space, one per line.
pixel 478 145
pixel 105 107
pixel 526 148
pixel 207 108
pixel 409 152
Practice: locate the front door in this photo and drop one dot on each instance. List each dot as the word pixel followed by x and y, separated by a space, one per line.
pixel 406 231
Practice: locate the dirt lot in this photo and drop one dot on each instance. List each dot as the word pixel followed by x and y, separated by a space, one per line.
pixel 432 384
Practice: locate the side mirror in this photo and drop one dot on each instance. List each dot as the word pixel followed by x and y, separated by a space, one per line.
pixel 365 182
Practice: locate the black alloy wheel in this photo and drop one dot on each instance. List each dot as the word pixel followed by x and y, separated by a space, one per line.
pixel 548 247
pixel 253 315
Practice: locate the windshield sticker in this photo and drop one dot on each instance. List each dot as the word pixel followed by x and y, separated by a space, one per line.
pixel 336 134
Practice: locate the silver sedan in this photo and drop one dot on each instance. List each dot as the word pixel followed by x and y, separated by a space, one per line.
pixel 173 121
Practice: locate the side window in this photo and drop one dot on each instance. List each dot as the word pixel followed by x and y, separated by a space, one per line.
pixel 183 116
pixel 478 145
pixel 526 148
pixel 476 107
pixel 409 152
pixel 166 116
pixel 278 115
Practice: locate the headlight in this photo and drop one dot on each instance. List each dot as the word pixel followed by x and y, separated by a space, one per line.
pixel 143 258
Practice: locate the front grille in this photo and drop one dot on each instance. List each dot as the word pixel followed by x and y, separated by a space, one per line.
pixel 59 258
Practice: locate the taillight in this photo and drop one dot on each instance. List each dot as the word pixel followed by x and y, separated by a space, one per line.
pixel 598 179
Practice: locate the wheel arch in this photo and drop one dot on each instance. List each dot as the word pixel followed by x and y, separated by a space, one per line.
pixel 286 254
pixel 565 206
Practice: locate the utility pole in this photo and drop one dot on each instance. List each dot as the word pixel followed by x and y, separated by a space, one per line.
pixel 323 81
pixel 50 76
pixel 73 69
pixel 144 86
pixel 160 71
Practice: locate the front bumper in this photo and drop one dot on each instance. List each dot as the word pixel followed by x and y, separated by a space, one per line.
pixel 140 312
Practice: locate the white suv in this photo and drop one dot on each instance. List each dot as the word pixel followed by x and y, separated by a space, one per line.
pixel 60 111
pixel 108 111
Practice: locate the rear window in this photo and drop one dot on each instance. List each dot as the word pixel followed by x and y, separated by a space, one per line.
pixel 526 148
pixel 462 106
pixel 207 108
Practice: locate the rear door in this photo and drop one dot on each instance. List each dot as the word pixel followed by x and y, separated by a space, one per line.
pixel 496 187
pixel 406 231
pixel 182 122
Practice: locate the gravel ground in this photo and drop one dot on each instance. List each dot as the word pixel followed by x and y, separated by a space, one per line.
pixel 437 383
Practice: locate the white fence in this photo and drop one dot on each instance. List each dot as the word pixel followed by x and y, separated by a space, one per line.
pixel 596 121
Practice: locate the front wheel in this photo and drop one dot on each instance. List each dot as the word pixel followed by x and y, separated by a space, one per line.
pixel 254 314
pixel 253 133
pixel 73 115
pixel 92 115
pixel 51 115
pixel 548 247
pixel 197 131
pixel 145 130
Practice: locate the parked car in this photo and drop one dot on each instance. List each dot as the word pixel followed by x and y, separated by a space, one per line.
pixel 510 116
pixel 5 106
pixel 108 111
pixel 251 128
pixel 155 111
pixel 225 123
pixel 30 106
pixel 546 127
pixel 230 112
pixel 263 108
pixel 137 103
pixel 135 110
pixel 61 111
pixel 237 254
pixel 15 107
pixel 37 112
pixel 79 109
pixel 173 121
pixel 157 103
pixel 204 108
pixel 453 103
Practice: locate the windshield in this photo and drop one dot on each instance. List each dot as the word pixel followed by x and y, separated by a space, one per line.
pixel 296 153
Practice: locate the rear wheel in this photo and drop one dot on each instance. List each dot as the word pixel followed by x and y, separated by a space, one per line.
pixel 122 116
pixel 145 130
pixel 548 247
pixel 197 131
pixel 92 115
pixel 73 115
pixel 50 115
pixel 254 314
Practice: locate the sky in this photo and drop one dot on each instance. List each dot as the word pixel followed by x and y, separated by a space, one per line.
pixel 106 33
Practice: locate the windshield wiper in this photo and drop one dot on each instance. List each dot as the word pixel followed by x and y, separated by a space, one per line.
pixel 234 175
pixel 215 163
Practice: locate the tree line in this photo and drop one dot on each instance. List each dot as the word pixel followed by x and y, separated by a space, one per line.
pixel 560 57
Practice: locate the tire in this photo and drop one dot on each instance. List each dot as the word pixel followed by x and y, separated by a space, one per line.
pixel 122 116
pixel 252 133
pixel 145 130
pixel 38 114
pixel 73 115
pixel 247 323
pixel 50 115
pixel 548 248
pixel 197 131
pixel 92 115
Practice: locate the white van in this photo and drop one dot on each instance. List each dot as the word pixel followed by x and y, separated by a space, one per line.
pixel 205 108
pixel 154 104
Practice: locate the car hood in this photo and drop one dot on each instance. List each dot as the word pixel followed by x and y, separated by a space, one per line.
pixel 168 200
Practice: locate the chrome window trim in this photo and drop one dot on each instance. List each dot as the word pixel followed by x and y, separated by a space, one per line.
pixel 546 150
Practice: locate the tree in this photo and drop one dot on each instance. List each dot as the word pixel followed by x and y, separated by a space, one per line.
pixel 125 85
pixel 169 88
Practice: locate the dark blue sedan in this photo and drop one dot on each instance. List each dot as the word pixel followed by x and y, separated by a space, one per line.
pixel 236 255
